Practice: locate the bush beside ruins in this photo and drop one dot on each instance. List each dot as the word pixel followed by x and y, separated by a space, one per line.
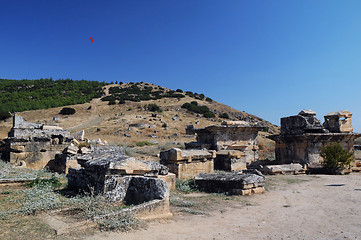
pixel 335 157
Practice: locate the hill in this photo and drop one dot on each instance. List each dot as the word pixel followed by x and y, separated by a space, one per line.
pixel 131 113
pixel 21 95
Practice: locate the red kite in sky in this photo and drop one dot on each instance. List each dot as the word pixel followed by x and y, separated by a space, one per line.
pixel 91 39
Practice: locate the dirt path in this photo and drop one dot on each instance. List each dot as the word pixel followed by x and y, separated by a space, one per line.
pixel 296 207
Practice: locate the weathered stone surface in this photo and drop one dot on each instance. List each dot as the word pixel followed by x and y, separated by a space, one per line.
pixel 19 122
pixel 107 171
pixel 79 135
pixel 176 154
pixel 302 137
pixel 85 150
pixel 307 112
pixel 170 179
pixel 230 135
pixel 71 149
pixel 145 189
pixel 188 163
pixel 230 160
pixel 339 121
pixel 293 168
pixel 304 122
pixel 232 183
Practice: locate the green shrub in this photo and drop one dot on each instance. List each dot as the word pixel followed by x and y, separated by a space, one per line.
pixel 143 143
pixel 53 182
pixel 108 98
pixel 111 102
pixel 164 125
pixel 185 186
pixel 209 115
pixel 335 157
pixel 209 100
pixel 67 111
pixel 4 115
pixel 224 115
pixel 153 107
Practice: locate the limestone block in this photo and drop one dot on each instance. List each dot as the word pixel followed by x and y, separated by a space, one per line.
pixel 72 149
pixel 85 150
pixel 71 163
pixel 19 122
pixel 170 179
pixel 17 148
pixel 79 135
pixel 293 168
pixel 75 142
pixel 233 183
pixel 48 127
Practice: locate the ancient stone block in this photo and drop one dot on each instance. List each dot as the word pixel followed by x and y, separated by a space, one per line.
pixel 230 160
pixel 230 135
pixel 188 163
pixel 37 143
pixel 232 183
pixel 302 137
pixel 293 168
pixel 339 121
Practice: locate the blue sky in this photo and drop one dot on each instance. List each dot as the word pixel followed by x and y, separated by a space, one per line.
pixel 268 58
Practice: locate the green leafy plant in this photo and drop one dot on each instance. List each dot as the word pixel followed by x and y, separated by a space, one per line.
pixel 335 157
pixel 67 111
pixel 185 186
pixel 52 182
pixel 143 143
pixel 224 115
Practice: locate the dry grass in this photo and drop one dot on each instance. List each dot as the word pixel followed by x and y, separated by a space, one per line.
pixel 110 123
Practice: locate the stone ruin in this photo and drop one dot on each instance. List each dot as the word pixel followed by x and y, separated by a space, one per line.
pixel 234 141
pixel 303 135
pixel 106 170
pixel 188 163
pixel 231 183
pixel 33 145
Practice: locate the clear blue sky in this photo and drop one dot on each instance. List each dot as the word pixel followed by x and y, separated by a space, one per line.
pixel 268 58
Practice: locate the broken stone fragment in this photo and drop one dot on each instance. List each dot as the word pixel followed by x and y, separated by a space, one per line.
pixel 79 135
pixel 71 149
pixel 307 112
pixel 19 122
pixel 85 150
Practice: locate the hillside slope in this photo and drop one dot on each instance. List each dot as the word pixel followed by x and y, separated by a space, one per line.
pixel 130 121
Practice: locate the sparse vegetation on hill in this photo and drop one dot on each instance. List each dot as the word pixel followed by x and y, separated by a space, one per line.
pixel 22 95
pixel 194 107
pixel 137 92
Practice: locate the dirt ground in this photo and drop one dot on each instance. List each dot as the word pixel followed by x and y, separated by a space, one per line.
pixel 294 207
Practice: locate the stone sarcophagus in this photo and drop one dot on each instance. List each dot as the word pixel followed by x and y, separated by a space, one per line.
pixel 188 163
pixel 231 183
pixel 303 135
pixel 107 171
pixel 235 142
pixel 32 144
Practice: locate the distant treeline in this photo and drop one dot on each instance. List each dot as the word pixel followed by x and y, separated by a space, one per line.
pixel 22 95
